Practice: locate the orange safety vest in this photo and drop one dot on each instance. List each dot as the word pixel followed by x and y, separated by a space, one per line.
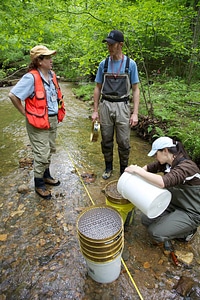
pixel 36 108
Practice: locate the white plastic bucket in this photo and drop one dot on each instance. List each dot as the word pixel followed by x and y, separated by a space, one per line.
pixel 104 272
pixel 148 198
pixel 101 238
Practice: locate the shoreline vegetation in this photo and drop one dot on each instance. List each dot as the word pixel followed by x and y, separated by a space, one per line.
pixel 172 109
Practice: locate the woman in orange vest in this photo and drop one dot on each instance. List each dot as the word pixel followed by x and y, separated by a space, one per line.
pixel 40 91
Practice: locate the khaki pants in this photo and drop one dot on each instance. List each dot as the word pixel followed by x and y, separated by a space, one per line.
pixel 43 145
pixel 115 117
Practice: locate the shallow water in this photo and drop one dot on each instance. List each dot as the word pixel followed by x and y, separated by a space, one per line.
pixel 12 128
pixel 41 257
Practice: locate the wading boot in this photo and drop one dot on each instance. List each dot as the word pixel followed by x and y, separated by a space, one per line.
pixel 48 179
pixel 108 171
pixel 41 189
pixel 122 168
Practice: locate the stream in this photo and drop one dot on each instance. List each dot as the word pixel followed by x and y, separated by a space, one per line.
pixel 40 252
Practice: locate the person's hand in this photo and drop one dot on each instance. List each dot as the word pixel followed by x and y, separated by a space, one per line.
pixel 133 169
pixel 95 116
pixel 133 120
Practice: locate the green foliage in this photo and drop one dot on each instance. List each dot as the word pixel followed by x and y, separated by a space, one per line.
pixel 189 136
pixel 158 34
pixel 84 91
pixel 178 104
pixel 159 132
pixel 2 74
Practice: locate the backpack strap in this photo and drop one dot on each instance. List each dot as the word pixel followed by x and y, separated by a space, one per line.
pixel 127 64
pixel 106 64
pixel 126 67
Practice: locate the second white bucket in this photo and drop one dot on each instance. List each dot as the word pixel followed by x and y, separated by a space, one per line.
pixel 148 198
pixel 104 272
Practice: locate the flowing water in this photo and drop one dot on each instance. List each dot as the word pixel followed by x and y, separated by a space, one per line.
pixel 40 252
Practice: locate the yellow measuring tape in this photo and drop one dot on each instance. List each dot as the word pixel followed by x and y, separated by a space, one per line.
pixel 126 268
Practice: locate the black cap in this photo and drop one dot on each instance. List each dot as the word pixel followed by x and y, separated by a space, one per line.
pixel 115 36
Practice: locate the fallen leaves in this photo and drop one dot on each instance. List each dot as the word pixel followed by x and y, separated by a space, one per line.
pixel 3 237
pixel 146 265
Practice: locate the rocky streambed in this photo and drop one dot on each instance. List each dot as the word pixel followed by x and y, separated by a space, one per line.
pixel 40 251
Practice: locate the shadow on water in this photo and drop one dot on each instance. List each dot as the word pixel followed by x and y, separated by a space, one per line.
pixel 38 238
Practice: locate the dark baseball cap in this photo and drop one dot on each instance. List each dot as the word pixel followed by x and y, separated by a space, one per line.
pixel 115 36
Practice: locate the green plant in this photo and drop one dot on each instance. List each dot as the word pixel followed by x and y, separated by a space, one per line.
pixel 2 74
pixel 84 91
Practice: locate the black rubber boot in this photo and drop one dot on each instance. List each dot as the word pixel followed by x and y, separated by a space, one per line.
pixel 108 171
pixel 48 179
pixel 122 168
pixel 109 165
pixel 41 189
pixel 47 173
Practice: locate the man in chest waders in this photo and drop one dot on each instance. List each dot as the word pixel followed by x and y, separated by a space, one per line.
pixel 115 78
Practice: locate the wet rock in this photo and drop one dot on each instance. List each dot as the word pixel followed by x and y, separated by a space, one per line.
pixel 169 274
pixel 184 257
pixel 161 284
pixel 60 195
pixel 149 285
pixel 125 254
pixel 26 162
pixel 88 177
pixel 161 261
pixel 36 230
pixel 18 212
pixel 198 260
pixel 44 260
pixel 195 293
pixel 184 286
pixel 48 229
pixel 23 189
pixel 106 296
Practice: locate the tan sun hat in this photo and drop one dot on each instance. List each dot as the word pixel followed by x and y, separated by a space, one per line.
pixel 40 50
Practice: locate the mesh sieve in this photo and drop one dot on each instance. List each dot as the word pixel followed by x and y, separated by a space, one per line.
pixel 99 223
